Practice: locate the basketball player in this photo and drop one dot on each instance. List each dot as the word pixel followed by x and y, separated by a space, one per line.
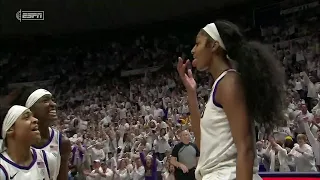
pixel 41 103
pixel 19 129
pixel 239 96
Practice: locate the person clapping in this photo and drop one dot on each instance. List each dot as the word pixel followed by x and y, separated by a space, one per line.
pixel 302 155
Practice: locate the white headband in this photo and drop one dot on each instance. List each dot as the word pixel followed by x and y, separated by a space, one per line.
pixel 213 32
pixel 11 117
pixel 35 96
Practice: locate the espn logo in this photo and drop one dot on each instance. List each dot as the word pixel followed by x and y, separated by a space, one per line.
pixel 30 15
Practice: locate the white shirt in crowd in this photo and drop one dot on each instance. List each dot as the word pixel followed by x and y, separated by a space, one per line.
pixel 138 173
pixel 97 153
pixel 315 143
pixel 300 119
pixel 108 174
pixel 158 112
pixel 161 144
pixel 123 113
pixel 304 162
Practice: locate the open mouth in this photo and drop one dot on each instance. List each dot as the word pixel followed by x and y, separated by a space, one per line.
pixel 35 128
pixel 53 112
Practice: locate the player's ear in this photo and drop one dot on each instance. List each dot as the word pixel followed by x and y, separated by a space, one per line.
pixel 10 131
pixel 214 46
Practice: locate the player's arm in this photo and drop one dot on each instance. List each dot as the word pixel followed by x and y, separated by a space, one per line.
pixel 230 94
pixel 65 151
pixel 195 116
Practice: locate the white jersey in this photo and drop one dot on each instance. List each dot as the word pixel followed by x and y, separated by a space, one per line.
pixel 218 153
pixel 42 167
pixel 53 146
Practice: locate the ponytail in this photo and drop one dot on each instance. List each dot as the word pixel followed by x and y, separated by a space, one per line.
pixel 263 81
pixel 261 73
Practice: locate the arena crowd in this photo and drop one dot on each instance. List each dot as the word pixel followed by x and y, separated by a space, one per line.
pixel 126 128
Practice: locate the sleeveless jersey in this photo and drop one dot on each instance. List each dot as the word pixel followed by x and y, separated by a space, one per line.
pixel 218 151
pixel 42 167
pixel 53 146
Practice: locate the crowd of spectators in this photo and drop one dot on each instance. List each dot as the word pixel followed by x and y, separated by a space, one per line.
pixel 125 128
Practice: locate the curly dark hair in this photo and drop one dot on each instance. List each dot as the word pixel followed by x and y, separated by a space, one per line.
pixel 262 74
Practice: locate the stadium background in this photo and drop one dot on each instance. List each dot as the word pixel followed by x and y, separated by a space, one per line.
pixel 69 20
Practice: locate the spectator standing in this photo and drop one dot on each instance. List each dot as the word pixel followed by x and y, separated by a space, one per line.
pixel 161 144
pixel 150 165
pixel 278 157
pixel 302 155
pixel 105 172
pixel 314 142
pixel 185 157
pixel 94 174
pixel 138 170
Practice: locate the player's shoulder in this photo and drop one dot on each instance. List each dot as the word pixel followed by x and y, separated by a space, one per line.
pixel 64 142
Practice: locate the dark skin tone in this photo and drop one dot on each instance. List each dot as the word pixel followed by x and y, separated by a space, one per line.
pixel 230 94
pixel 42 110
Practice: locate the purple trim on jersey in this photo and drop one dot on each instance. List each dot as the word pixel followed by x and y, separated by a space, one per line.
pixel 49 141
pixel 60 140
pixel 215 88
pixel 34 160
pixel 214 94
pixel 46 162
pixel 4 172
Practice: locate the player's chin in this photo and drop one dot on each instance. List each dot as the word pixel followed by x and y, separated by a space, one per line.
pixel 35 136
pixel 200 67
pixel 197 64
pixel 53 118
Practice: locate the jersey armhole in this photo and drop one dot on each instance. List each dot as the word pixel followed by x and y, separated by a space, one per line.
pixel 214 94
pixel 4 172
pixel 216 86
pixel 46 162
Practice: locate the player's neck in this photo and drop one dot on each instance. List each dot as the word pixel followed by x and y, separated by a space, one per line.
pixel 44 131
pixel 218 66
pixel 20 154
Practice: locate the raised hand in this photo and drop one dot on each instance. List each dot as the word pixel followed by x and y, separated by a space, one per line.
pixel 187 79
pixel 272 140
